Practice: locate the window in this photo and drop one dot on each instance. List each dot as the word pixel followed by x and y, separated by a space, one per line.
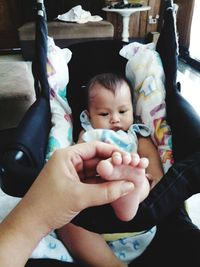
pixel 194 50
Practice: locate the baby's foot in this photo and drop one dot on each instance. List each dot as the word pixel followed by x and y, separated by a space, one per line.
pixel 124 166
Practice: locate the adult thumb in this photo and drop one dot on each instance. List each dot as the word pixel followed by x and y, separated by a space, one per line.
pixel 103 193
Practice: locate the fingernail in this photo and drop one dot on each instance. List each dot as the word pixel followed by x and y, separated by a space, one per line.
pixel 127 187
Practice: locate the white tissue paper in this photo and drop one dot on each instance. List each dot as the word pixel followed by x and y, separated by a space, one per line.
pixel 78 15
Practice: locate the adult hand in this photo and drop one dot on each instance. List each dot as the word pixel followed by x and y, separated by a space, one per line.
pixel 56 197
pixel 59 192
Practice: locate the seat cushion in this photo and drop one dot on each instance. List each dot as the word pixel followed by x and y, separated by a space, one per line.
pixel 64 34
pixel 69 30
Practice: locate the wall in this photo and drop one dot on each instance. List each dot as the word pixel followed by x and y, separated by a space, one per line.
pixel 8 24
pixel 139 25
pixel 11 16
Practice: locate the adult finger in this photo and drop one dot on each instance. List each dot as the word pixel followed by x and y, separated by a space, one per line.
pixel 93 149
pixel 103 193
pixel 89 168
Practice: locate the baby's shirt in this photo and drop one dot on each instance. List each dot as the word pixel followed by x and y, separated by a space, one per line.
pixel 127 141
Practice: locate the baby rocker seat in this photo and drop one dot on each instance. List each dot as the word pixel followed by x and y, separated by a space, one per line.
pixel 23 150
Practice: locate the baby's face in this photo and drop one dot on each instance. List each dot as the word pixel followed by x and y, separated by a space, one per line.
pixel 111 111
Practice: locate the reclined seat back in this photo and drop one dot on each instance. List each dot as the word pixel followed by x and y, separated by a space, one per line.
pixel 24 157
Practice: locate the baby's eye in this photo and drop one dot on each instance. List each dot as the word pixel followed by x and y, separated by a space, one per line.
pixel 103 114
pixel 122 111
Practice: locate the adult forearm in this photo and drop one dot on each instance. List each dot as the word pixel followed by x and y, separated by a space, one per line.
pixel 20 232
pixel 55 198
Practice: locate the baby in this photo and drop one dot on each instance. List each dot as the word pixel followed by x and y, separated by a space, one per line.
pixel 109 118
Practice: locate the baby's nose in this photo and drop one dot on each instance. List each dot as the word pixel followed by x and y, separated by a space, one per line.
pixel 115 118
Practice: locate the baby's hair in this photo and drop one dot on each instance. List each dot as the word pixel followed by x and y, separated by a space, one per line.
pixel 110 81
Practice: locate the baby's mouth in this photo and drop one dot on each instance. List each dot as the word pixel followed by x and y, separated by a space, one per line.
pixel 115 129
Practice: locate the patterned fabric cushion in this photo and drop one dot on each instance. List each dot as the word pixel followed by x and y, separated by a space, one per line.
pixel 145 72
pixel 61 132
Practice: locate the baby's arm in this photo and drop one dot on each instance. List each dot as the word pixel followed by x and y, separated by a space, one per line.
pixel 80 140
pixel 88 248
pixel 147 149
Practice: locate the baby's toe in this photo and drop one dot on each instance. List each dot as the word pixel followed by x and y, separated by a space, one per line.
pixel 105 169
